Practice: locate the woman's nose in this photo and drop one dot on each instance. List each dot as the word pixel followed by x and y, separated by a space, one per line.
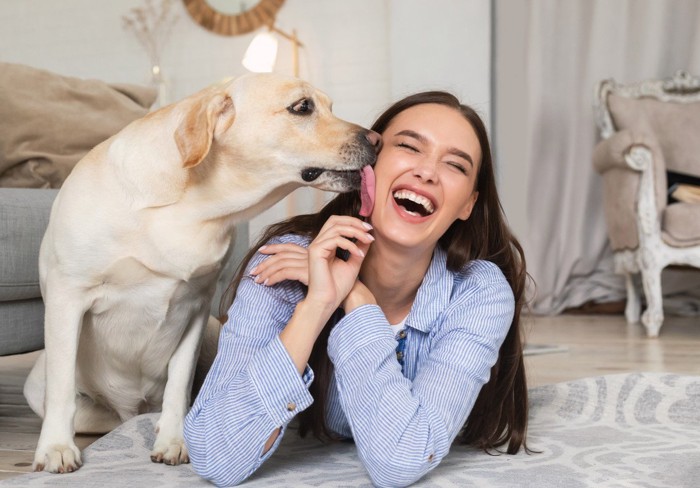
pixel 426 169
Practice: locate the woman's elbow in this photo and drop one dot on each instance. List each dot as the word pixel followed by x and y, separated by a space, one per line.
pixel 219 473
pixel 214 462
pixel 395 471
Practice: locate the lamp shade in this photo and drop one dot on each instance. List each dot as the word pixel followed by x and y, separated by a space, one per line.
pixel 261 54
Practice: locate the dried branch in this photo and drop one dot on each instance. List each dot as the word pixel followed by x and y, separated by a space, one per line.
pixel 152 26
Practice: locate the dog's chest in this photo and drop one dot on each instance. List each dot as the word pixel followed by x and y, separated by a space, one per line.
pixel 138 319
pixel 129 283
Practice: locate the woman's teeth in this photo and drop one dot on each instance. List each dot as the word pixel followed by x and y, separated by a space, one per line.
pixel 423 202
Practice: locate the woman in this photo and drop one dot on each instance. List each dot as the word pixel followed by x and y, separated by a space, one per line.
pixel 412 341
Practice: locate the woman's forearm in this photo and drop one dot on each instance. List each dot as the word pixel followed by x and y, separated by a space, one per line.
pixel 298 338
pixel 235 422
pixel 301 332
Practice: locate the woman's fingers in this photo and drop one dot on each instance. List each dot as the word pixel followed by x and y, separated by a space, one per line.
pixel 286 262
pixel 293 262
pixel 279 248
pixel 326 247
pixel 337 222
pixel 283 269
pixel 349 232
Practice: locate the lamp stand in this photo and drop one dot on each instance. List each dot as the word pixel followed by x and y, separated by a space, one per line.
pixel 296 44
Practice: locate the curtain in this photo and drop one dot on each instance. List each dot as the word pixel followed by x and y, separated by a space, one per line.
pixel 570 46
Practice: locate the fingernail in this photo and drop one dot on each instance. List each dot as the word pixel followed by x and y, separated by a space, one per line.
pixel 361 253
pixel 262 248
pixel 254 271
pixel 370 236
pixel 367 225
pixel 266 281
pixel 257 279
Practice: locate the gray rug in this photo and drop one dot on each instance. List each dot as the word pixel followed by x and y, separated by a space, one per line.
pixel 631 430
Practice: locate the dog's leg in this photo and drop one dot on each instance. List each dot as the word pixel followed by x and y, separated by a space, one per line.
pixel 169 447
pixel 35 385
pixel 56 451
pixel 207 354
pixel 90 417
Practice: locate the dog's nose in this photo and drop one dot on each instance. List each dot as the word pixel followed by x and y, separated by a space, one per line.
pixel 375 139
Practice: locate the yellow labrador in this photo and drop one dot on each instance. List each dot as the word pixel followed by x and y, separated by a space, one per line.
pixel 137 238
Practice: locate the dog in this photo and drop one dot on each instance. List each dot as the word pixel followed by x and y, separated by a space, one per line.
pixel 138 235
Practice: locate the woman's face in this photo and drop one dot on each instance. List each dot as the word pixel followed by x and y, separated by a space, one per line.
pixel 425 175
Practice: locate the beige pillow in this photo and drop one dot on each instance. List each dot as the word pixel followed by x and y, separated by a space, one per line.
pixel 48 122
pixel 676 126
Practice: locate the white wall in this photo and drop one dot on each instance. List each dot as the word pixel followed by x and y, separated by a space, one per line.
pixel 511 111
pixel 442 44
pixel 363 53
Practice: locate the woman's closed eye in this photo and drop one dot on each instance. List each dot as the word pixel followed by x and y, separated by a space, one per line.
pixel 458 166
pixel 407 146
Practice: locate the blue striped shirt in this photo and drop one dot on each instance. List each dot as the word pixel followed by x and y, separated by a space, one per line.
pixel 402 423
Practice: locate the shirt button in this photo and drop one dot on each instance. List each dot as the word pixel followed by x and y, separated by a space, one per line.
pixel 291 406
pixel 430 458
pixel 399 356
pixel 402 334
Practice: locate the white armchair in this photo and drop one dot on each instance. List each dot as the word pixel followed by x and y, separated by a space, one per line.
pixel 648 128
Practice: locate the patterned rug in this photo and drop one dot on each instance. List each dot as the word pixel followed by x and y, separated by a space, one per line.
pixel 630 430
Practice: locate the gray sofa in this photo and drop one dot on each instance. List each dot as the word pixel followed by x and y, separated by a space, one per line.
pixel 24 214
pixel 48 122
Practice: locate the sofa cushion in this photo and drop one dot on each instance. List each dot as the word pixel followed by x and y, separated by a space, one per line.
pixel 48 122
pixel 681 224
pixel 675 126
pixel 21 326
pixel 24 215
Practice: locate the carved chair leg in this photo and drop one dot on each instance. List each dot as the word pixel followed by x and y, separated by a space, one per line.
pixel 653 316
pixel 633 307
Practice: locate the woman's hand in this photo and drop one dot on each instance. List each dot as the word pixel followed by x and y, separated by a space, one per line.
pixel 335 278
pixel 286 262
pixel 291 262
pixel 330 279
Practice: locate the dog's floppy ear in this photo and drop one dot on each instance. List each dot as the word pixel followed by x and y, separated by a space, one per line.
pixel 195 133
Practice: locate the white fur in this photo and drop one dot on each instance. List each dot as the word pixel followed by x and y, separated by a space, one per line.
pixel 136 242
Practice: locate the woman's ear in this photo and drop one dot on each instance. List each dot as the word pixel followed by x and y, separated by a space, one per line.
pixel 469 206
pixel 206 117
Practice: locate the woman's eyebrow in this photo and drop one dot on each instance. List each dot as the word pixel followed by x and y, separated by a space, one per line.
pixel 411 133
pixel 422 139
pixel 461 154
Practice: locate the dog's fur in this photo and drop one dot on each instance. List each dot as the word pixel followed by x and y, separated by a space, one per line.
pixel 137 238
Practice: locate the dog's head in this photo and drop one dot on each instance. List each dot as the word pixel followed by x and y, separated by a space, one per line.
pixel 277 129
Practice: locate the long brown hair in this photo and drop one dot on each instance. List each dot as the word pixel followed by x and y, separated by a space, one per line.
pixel 499 416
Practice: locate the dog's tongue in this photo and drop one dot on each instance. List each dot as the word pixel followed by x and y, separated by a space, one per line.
pixel 367 191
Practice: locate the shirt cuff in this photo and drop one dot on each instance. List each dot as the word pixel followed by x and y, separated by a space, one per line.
pixel 280 387
pixel 357 330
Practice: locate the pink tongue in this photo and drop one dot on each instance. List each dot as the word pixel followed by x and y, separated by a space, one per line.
pixel 367 191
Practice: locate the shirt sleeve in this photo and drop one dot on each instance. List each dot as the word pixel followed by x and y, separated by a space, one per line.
pixel 252 388
pixel 404 428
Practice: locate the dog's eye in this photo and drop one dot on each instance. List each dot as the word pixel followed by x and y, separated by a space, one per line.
pixel 302 107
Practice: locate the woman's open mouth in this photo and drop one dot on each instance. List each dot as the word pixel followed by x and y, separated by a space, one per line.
pixel 413 204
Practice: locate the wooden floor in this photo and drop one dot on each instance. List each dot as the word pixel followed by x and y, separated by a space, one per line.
pixel 595 345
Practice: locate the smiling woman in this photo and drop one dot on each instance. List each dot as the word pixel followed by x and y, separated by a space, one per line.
pixel 410 343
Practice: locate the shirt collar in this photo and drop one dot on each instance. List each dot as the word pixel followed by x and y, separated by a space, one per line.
pixel 433 294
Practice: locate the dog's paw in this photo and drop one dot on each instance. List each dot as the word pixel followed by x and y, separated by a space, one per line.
pixel 57 458
pixel 171 453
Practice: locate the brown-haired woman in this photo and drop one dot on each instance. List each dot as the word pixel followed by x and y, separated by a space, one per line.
pixel 410 342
